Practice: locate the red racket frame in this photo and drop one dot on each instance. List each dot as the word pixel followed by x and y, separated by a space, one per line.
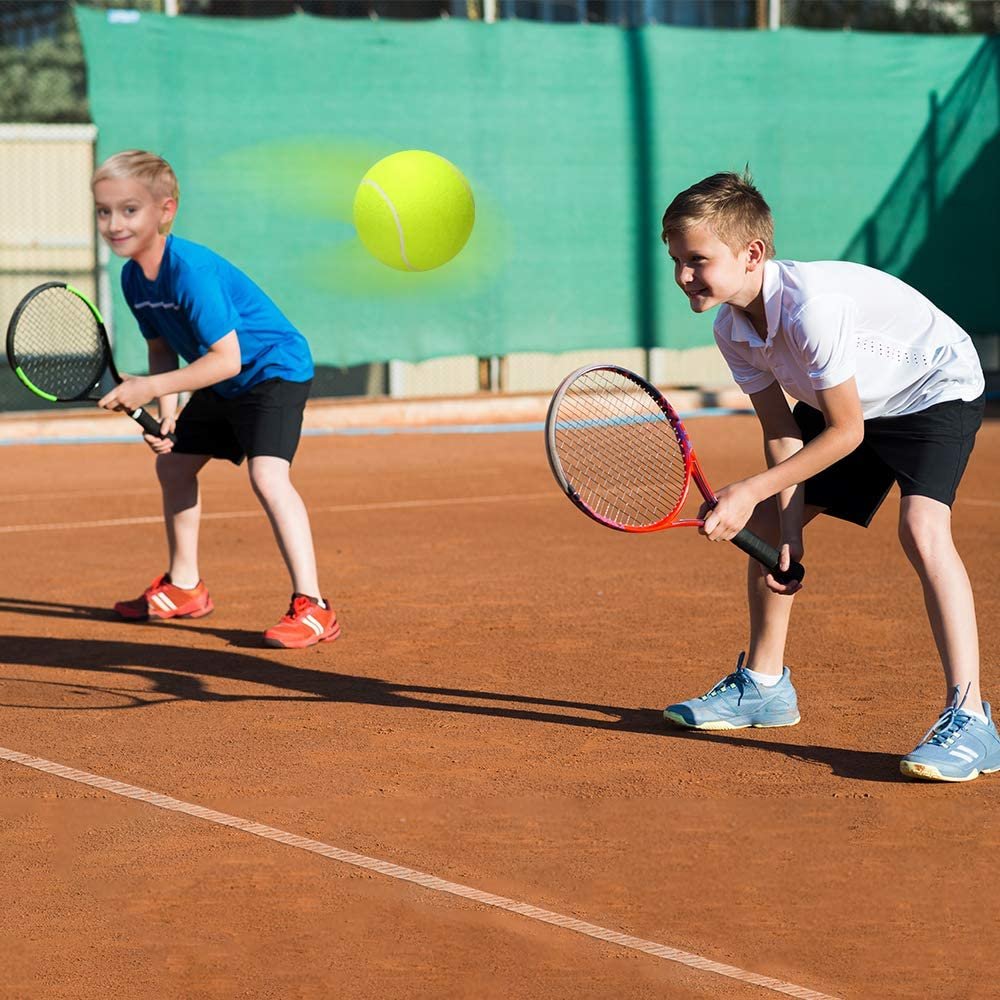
pixel 746 540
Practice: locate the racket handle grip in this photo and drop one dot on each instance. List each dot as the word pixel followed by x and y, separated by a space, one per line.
pixel 769 556
pixel 149 423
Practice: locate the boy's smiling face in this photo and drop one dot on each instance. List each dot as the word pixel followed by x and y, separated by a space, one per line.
pixel 709 273
pixel 129 216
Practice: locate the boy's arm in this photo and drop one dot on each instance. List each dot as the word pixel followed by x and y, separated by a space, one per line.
pixel 222 360
pixel 163 358
pixel 841 408
pixel 782 440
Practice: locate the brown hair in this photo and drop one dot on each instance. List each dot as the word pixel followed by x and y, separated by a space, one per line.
pixel 728 203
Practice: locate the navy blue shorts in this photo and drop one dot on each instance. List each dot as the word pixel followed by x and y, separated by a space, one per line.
pixel 264 420
pixel 925 452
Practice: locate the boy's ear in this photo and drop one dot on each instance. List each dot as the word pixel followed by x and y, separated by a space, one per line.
pixel 168 210
pixel 756 254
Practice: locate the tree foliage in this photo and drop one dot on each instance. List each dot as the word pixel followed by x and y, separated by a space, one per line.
pixel 918 16
pixel 45 81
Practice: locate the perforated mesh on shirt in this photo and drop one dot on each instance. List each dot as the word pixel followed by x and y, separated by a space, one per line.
pixel 893 352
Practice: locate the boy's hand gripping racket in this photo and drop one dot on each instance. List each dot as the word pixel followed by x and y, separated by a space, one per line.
pixel 621 454
pixel 58 347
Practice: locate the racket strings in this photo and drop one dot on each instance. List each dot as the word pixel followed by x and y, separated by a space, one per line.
pixel 57 344
pixel 619 451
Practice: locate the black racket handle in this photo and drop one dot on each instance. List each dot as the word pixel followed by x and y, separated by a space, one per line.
pixel 149 424
pixel 768 556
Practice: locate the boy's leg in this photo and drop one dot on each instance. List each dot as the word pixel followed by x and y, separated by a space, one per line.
pixel 268 422
pixel 928 451
pixel 742 699
pixel 925 533
pixel 178 476
pixel 309 618
pixel 964 741
pixel 271 481
pixel 770 613
pixel 178 593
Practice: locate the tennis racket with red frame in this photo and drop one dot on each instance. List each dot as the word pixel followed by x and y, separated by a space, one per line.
pixel 620 452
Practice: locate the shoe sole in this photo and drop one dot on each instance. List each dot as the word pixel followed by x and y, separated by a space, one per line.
pixel 720 724
pixel 201 613
pixel 928 772
pixel 305 644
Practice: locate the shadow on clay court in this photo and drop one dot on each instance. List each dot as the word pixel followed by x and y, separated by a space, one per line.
pixel 863 765
pixel 176 673
pixel 241 638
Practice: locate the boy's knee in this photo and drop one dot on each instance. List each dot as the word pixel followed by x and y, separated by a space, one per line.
pixel 174 470
pixel 260 483
pixel 268 480
pixel 924 531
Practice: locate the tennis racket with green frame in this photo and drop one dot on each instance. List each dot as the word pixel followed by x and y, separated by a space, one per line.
pixel 58 347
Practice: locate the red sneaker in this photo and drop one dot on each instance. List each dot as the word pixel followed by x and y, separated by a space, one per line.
pixel 304 624
pixel 161 599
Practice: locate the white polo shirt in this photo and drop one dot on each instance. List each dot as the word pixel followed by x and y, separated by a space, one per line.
pixel 830 320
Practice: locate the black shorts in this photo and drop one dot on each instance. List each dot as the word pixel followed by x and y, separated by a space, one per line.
pixel 264 420
pixel 925 452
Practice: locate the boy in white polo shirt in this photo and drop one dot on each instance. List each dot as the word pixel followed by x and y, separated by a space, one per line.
pixel 890 389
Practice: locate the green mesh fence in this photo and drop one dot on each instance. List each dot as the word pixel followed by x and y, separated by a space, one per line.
pixel 935 225
pixel 574 139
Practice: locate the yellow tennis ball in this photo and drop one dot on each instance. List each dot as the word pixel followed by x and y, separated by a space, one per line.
pixel 414 210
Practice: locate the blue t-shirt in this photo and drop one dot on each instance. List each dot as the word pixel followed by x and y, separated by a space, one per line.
pixel 197 298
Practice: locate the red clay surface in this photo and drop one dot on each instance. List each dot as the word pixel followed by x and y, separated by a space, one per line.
pixel 491 715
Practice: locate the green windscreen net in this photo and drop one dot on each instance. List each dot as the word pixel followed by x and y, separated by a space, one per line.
pixel 574 139
pixel 936 225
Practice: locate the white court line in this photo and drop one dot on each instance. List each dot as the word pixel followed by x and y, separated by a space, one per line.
pixel 68 494
pixel 118 522
pixel 409 875
pixel 13 529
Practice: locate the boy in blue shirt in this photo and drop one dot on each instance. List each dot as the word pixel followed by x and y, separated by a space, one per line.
pixel 890 391
pixel 249 372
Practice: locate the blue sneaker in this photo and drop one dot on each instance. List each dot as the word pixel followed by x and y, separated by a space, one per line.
pixel 958 747
pixel 736 702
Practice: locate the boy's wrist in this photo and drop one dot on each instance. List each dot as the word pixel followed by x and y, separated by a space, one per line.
pixel 757 489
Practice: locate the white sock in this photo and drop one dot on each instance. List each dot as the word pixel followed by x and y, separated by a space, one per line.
pixel 981 716
pixel 765 680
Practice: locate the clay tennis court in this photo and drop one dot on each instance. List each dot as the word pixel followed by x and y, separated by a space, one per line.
pixel 491 718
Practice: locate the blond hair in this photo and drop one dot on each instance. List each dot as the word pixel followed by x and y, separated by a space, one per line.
pixel 149 169
pixel 730 205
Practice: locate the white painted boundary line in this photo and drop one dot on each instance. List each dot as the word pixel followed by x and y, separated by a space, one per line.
pixel 118 522
pixel 409 875
pixel 65 495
